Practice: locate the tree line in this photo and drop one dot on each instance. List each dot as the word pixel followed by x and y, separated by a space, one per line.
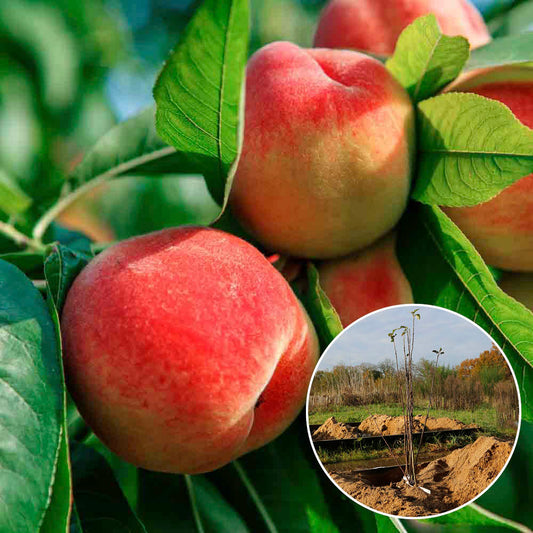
pixel 485 379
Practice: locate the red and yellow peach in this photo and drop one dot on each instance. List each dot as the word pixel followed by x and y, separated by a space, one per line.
pixel 185 349
pixel 374 25
pixel 365 281
pixel 326 163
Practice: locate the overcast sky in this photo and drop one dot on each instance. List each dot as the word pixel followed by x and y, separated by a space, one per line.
pixel 367 341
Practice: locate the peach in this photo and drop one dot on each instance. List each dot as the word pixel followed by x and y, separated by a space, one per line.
pixel 375 25
pixel 185 349
pixel 326 161
pixel 365 281
pixel 502 228
pixel 519 286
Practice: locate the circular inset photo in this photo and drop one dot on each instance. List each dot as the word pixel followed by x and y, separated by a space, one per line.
pixel 413 411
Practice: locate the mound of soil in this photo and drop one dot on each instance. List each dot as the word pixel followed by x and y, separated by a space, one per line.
pixel 393 425
pixel 331 429
pixel 384 425
pixel 443 423
pixel 453 480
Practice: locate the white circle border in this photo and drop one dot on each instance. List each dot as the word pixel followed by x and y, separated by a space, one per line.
pixel 412 306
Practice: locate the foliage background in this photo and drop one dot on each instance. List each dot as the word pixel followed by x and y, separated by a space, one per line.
pixel 69 72
pixel 97 69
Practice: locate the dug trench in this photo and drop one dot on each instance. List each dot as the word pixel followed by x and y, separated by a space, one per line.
pixel 452 480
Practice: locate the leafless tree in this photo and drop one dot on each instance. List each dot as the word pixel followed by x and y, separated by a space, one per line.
pixel 407 393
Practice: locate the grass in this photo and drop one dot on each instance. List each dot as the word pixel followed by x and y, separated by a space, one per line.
pixel 331 456
pixel 484 416
pixel 362 454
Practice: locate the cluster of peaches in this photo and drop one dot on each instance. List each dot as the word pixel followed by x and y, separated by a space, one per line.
pixel 187 348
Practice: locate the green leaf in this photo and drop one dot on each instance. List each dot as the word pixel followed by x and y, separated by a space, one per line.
pixel 74 240
pixel 13 200
pixel 18 107
pixel 280 488
pixel 474 518
pixel 470 149
pixel 512 494
pixel 75 524
pixel 59 271
pixel 169 503
pixel 200 90
pixel 389 525
pixel 30 403
pixel 100 504
pixel 513 21
pixel 57 518
pixel 31 263
pixel 136 205
pixel 61 268
pixel 425 60
pixel 445 269
pixel 323 315
pixel 211 510
pixel 502 51
pixel 126 474
pixel 42 32
pixel 130 148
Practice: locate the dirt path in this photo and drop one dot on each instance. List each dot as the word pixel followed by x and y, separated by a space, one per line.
pixel 393 425
pixel 453 480
pixel 331 429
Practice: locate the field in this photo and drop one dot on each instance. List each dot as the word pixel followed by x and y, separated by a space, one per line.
pixel 362 454
pixel 485 415
pixel 451 468
pixel 473 419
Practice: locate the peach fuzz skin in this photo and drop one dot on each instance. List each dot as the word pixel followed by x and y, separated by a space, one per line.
pixel 326 162
pixel 375 25
pixel 365 281
pixel 185 349
pixel 502 228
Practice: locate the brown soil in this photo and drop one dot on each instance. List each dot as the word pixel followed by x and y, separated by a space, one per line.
pixel 453 480
pixel 393 425
pixel 331 429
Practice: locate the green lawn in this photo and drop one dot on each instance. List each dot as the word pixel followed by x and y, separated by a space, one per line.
pixel 362 454
pixel 484 416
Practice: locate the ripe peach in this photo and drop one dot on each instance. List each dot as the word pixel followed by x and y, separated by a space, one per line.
pixel 502 228
pixel 365 281
pixel 185 349
pixel 519 286
pixel 326 161
pixel 375 25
